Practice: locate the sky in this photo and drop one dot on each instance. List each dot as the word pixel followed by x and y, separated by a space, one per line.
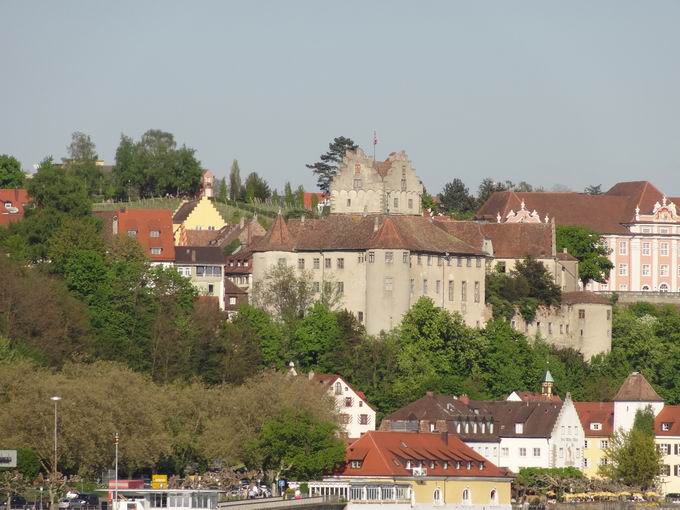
pixel 571 93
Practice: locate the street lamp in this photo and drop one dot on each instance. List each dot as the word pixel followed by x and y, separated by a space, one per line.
pixel 115 488
pixel 56 400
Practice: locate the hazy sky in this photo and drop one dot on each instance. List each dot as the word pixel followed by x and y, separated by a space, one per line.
pixel 576 93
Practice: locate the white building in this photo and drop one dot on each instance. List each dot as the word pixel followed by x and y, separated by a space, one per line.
pixel 635 394
pixel 356 415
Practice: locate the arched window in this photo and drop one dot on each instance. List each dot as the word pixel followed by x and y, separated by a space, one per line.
pixel 645 288
pixel 437 496
pixel 493 497
pixel 663 287
pixel 338 388
pixel 467 496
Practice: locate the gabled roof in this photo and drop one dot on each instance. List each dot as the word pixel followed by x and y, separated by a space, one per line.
pixel 386 453
pixel 431 407
pixel 596 412
pixel 606 214
pixel 144 222
pixel 327 381
pixel 362 232
pixel 669 415
pixel 230 288
pixel 537 417
pixel 509 240
pixel 637 389
pixel 18 198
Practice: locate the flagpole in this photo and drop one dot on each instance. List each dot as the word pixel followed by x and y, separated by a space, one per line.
pixel 375 142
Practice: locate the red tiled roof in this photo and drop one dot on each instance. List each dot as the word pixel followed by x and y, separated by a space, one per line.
pixel 509 240
pixel 359 232
pixel 386 453
pixel 231 288
pixel 143 221
pixel 200 237
pixel 596 412
pixel 606 214
pixel 16 199
pixel 637 389
pixel 669 415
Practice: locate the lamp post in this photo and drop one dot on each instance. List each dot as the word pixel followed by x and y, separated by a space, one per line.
pixel 56 400
pixel 115 488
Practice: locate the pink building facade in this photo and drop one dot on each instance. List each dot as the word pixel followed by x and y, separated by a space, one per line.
pixel 638 223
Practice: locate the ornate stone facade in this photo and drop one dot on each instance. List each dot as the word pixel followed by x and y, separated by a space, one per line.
pixel 363 185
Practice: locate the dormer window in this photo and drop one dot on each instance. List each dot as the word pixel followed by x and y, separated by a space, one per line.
pixel 665 427
pixel 155 233
pixel 355 464
pixel 519 428
pixel 595 426
pixel 457 464
pixel 132 233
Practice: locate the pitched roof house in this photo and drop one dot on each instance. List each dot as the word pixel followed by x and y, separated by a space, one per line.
pixel 12 204
pixel 152 228
pixel 393 469
pixel 381 264
pixel 638 222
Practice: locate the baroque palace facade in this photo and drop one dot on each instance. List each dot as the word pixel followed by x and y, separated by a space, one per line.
pixel 640 226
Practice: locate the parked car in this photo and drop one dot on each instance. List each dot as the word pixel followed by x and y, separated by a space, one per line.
pixel 80 502
pixel 14 502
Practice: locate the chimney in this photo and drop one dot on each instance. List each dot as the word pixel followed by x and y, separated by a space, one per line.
pixel 464 399
pixel 429 394
pixel 564 250
pixel 310 375
pixel 193 255
pixel 302 218
pixel 445 437
pixel 376 224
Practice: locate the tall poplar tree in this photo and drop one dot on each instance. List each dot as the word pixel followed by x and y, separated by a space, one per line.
pixel 235 181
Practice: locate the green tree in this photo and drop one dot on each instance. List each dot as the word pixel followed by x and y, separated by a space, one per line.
pixel 11 175
pixel 82 162
pixel 128 174
pixel 256 188
pixel 288 197
pixel 259 324
pixel 487 187
pixel 284 293
pixel 73 235
pixel 633 458
pixel 223 192
pixel 235 181
pixel 52 188
pixel 456 198
pixel 590 250
pixel 315 335
pixel 326 168
pixel 297 446
pixel 593 190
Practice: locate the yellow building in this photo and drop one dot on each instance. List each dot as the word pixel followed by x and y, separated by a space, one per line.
pixel 196 215
pixel 597 420
pixel 406 469
pixel 667 432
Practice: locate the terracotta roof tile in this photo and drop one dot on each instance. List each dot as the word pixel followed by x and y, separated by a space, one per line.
pixel 535 396
pixel 359 232
pixel 596 412
pixel 607 213
pixel 637 389
pixel 17 200
pixel 200 237
pixel 669 418
pixel 386 453
pixel 509 240
pixel 144 222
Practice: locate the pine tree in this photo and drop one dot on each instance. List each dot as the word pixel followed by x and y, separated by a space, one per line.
pixel 235 181
pixel 223 192
pixel 326 168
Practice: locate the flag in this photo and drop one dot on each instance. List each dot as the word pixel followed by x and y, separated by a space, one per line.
pixel 375 138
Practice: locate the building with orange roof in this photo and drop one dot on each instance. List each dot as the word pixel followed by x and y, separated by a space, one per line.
pixel 411 469
pixel 12 204
pixel 597 420
pixel 640 225
pixel 152 228
pixel 667 432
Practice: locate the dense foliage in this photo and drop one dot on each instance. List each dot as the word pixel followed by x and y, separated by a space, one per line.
pixel 327 166
pixel 589 249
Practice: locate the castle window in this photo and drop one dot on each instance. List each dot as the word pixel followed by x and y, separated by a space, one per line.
pixel 413 286
pixel 663 270
pixel 646 269
pixel 646 249
pixel 438 285
pixel 478 260
pixel 396 203
pixel 389 257
pixel 317 263
pixel 663 249
pixel 316 287
pixel 463 291
pixel 623 248
pixel 468 262
pixel 360 316
pixel 301 263
pixel 357 183
pixel 403 185
pixel 429 260
pixel 405 257
pixel 388 284
pixel 425 286
pixel 341 263
pixel 477 292
pixel 349 202
pixel 459 261
pixel 410 203
pixel 623 269
pixel 581 313
pixel 420 259
pixel 341 288
pixel 327 263
pixel 371 257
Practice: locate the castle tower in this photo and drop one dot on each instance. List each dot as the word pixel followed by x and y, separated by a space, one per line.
pixel 547 385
